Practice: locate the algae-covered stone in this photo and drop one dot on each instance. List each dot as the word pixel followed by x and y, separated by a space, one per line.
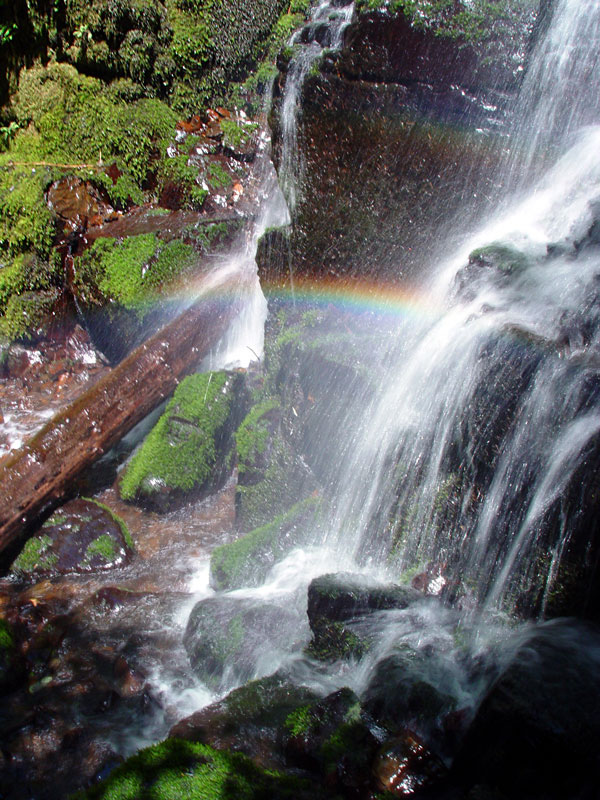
pixel 250 719
pixel 237 639
pixel 81 536
pixel 254 440
pixel 189 450
pixel 333 736
pixel 247 560
pixel 177 768
pixel 334 600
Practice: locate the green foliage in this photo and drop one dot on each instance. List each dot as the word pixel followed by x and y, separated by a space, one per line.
pixel 7 639
pixel 25 315
pixel 25 219
pixel 181 450
pixel 237 135
pixel 78 119
pixel 35 555
pixel 299 721
pixel 177 769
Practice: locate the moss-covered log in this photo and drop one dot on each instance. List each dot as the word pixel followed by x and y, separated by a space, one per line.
pixel 38 475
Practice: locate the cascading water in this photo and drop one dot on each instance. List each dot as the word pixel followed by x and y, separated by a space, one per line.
pixel 469 457
pixel 325 30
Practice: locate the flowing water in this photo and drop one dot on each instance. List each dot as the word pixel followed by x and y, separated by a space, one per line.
pixel 466 465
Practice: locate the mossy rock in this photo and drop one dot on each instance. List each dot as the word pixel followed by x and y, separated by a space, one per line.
pixel 332 737
pixel 122 287
pixel 176 768
pixel 247 560
pixel 81 536
pixel 231 639
pixel 254 439
pixel 250 719
pixel 336 600
pixel 501 257
pixel 189 452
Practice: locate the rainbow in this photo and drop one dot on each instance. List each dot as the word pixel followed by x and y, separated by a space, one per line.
pixel 354 296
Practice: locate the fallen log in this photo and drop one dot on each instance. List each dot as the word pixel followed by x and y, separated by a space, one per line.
pixel 38 475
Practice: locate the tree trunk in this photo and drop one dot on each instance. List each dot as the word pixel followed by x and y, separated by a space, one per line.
pixel 39 475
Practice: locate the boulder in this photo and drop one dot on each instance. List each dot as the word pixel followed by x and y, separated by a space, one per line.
pixel 404 766
pixel 189 452
pixel 247 560
pixel 536 731
pixel 335 600
pixel 232 639
pixel 333 738
pixel 250 719
pixel 400 693
pixel 81 536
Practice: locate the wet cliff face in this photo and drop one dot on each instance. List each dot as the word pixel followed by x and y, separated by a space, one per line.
pixel 400 134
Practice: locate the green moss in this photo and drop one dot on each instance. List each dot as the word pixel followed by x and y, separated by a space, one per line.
pixel 473 21
pixel 237 135
pixel 25 219
pixel 246 561
pixel 130 271
pixel 104 546
pixel 181 450
pixel 299 721
pixel 334 641
pixel 7 639
pixel 252 436
pixel 177 769
pixel 503 257
pixel 217 176
pixel 35 555
pixel 119 520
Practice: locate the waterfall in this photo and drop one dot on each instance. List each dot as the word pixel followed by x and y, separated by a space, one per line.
pixel 468 464
pixel 325 30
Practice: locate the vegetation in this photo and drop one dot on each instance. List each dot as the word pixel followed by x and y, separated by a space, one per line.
pixel 252 437
pixel 130 271
pixel 35 555
pixel 474 21
pixel 177 768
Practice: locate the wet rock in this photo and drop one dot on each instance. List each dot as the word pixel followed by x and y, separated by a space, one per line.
pixel 496 262
pixel 11 665
pixel 81 536
pixel 247 560
pixel 404 766
pixel 538 725
pixel 333 737
pixel 231 639
pixel 189 452
pixel 78 203
pixel 335 600
pixel 250 719
pixel 400 692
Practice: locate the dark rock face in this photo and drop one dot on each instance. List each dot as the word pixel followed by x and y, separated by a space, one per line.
pixel 536 731
pixel 397 133
pixel 399 693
